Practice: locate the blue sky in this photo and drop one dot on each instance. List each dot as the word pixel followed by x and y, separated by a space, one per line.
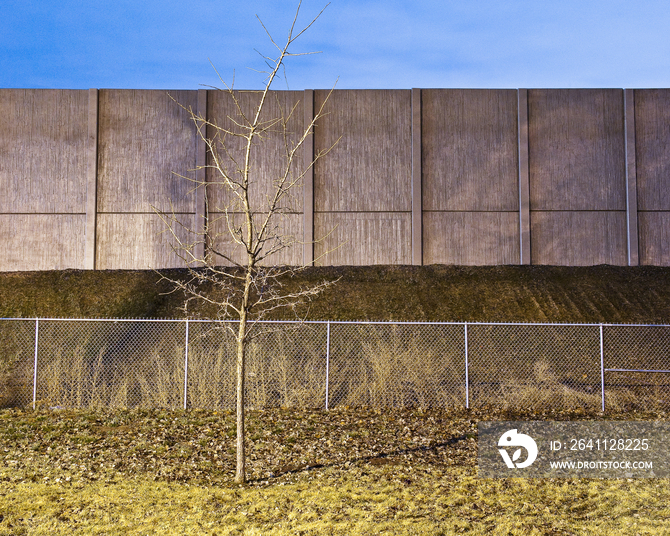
pixel 166 44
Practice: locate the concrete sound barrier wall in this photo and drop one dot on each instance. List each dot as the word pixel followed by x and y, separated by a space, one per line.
pixel 422 176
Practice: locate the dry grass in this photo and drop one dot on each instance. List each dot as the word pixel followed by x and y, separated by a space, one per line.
pixel 354 501
pixel 544 389
pixel 315 472
pixel 380 366
pixel 398 366
pixel 76 379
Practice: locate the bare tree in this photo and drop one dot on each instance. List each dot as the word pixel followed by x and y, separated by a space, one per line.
pixel 249 229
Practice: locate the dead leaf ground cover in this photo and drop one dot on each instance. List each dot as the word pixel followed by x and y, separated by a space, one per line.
pixel 345 471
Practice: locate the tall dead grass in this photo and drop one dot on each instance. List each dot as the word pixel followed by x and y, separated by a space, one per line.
pixel 387 366
pixel 544 390
pixel 377 366
pixel 78 380
pixel 17 341
pixel 284 369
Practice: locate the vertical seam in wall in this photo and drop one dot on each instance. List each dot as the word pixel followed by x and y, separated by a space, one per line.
pixel 201 178
pixel 417 211
pixel 524 178
pixel 308 181
pixel 631 178
pixel 91 180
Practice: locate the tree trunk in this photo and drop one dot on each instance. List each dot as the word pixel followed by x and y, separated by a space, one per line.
pixel 240 476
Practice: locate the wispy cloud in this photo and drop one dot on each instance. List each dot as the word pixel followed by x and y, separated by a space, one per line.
pixel 367 43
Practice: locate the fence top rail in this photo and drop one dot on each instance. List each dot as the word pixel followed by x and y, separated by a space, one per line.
pixel 636 370
pixel 362 322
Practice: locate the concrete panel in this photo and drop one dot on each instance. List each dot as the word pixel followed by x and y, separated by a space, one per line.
pixel 578 238
pixel 370 168
pixel 144 139
pixel 576 149
pixel 471 238
pixel 652 134
pixel 42 241
pixel 43 136
pixel 470 150
pixel 268 156
pixel 654 238
pixel 287 227
pixel 138 242
pixel 363 238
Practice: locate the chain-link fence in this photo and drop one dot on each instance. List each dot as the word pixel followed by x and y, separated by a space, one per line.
pixel 522 365
pixel 396 365
pixel 182 364
pixel 635 365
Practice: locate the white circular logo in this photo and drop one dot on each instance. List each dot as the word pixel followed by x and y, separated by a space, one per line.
pixel 512 438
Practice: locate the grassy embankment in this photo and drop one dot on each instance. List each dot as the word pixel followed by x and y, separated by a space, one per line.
pixel 429 293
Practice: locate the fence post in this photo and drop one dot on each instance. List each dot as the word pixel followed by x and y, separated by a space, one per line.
pixel 631 178
pixel 327 360
pixel 602 368
pixel 467 379
pixel 186 365
pixel 417 210
pixel 200 190
pixel 91 180
pixel 37 333
pixel 308 182
pixel 524 178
